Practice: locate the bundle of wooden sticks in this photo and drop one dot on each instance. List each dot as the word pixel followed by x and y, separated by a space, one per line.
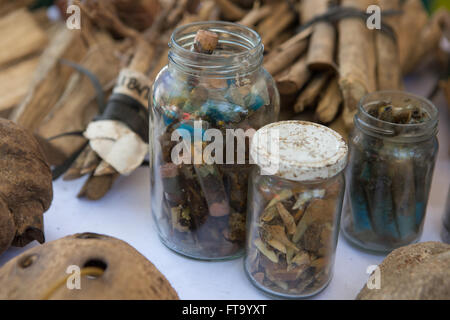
pixel 321 53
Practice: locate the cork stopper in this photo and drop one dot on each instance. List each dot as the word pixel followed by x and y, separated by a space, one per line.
pixel 299 151
pixel 205 41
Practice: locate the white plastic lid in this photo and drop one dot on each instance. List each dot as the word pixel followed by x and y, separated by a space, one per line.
pixel 299 151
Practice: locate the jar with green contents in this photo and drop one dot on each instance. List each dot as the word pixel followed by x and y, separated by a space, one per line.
pixel 295 200
pixel 393 151
pixel 214 82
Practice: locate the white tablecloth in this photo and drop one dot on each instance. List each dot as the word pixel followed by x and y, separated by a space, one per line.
pixel 125 213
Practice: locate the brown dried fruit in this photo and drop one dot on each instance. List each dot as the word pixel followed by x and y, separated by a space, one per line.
pixel 110 269
pixel 25 189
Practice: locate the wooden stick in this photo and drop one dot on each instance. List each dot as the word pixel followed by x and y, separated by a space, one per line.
pixel 328 106
pixel 91 162
pixel 356 60
pixel 230 11
pixel 311 93
pixel 389 74
pixel 288 52
pixel 104 168
pixel 294 79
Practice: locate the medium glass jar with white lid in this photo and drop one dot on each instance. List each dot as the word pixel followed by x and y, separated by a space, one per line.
pixel 294 206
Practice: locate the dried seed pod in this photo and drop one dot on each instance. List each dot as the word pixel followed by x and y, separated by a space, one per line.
pixel 109 269
pixel 25 189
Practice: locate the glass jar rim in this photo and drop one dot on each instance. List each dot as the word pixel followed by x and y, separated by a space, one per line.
pixel 245 61
pixel 390 130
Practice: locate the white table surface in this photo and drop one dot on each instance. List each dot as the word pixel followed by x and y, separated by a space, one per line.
pixel 125 213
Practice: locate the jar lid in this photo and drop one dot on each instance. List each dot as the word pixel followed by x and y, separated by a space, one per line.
pixel 299 150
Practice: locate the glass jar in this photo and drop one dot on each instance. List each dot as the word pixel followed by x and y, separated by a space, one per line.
pixel 200 207
pixel 295 201
pixel 393 151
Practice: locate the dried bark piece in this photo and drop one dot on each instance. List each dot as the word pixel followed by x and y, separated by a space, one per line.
pixel 311 93
pixel 15 81
pixel 281 18
pixel 256 15
pixel 230 11
pixel 357 62
pixel 21 36
pixel 294 79
pixel 26 189
pixel 322 44
pixel 265 251
pixel 415 272
pixel 428 40
pixel 205 41
pixel 389 73
pixel 50 79
pixel 123 273
pixel 282 56
pixel 328 106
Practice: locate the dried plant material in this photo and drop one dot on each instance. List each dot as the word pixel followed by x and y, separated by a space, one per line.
pixel 294 79
pixel 256 15
pixel 266 251
pixel 96 188
pixel 138 14
pixel 8 6
pixel 389 73
pixel 40 272
pixel 338 125
pixel 104 168
pixel 311 92
pixel 428 40
pixel 49 79
pixel 294 261
pixel 77 106
pixel 15 81
pixel 410 25
pixel 283 195
pixel 283 56
pixel 329 103
pixel 280 19
pixel 21 36
pixel 323 39
pixel 26 188
pixel 287 218
pixel 357 61
pixel 231 11
pixel 278 233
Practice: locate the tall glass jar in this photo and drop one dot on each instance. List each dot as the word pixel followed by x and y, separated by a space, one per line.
pixel 200 205
pixel 393 151
pixel 295 201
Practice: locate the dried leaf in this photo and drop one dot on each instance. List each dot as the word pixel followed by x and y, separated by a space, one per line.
pixel 269 214
pixel 277 245
pixel 287 218
pixel 277 233
pixel 266 251
pixel 283 195
pixel 307 196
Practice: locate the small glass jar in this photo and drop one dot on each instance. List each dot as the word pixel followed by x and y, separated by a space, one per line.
pixel 295 201
pixel 200 208
pixel 393 150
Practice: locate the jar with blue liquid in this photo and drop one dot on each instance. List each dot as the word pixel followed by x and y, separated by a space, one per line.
pixel 393 151
pixel 199 199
